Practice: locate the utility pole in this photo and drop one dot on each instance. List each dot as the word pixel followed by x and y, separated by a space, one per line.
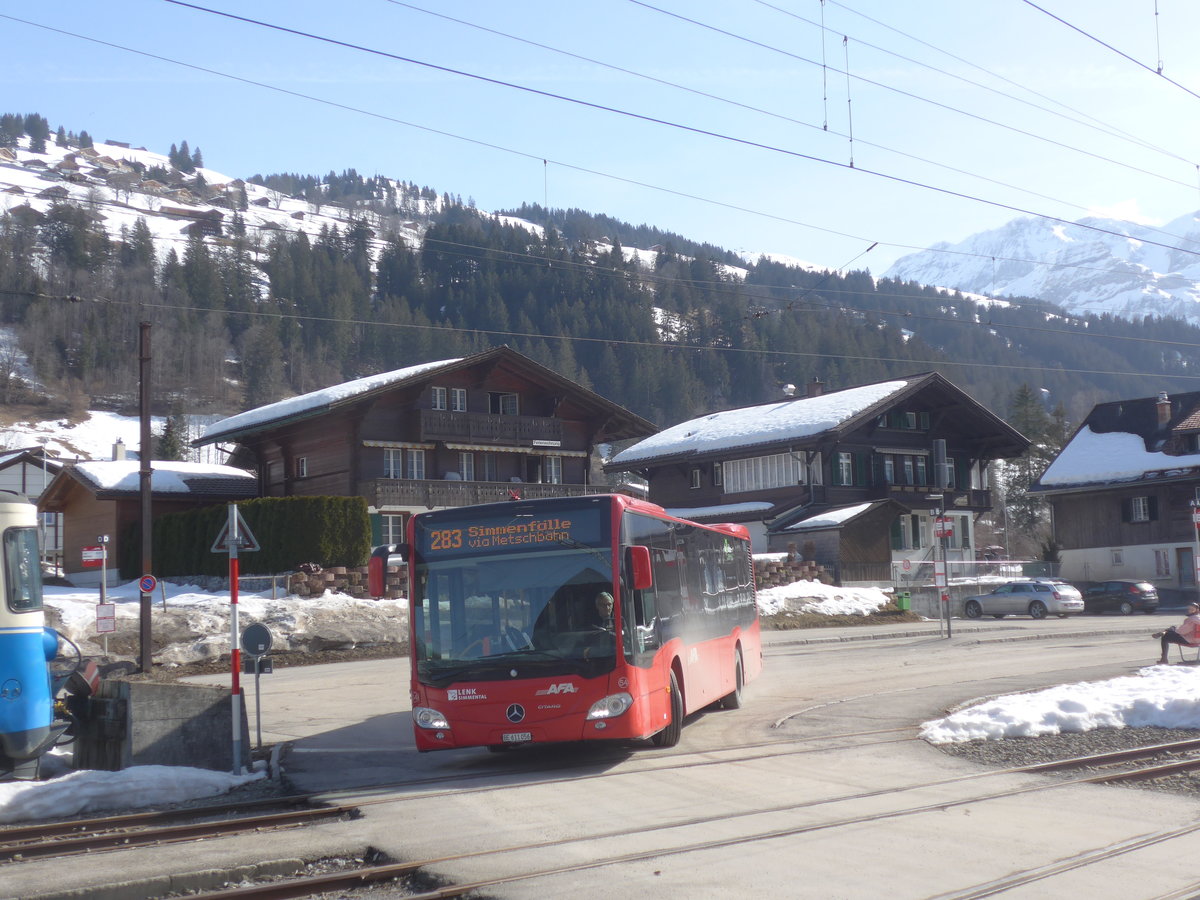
pixel 146 655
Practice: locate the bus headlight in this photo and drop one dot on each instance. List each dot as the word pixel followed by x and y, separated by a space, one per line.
pixel 611 706
pixel 429 718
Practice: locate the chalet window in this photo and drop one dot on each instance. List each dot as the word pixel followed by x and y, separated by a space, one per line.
pixel 414 468
pixel 466 466
pixel 908 470
pixel 815 471
pixel 1162 564
pixel 439 398
pixel 504 404
pixel 923 421
pixel 695 479
pixel 552 472
pixel 759 473
pixel 458 399
pixel 301 467
pixel 392 529
pixel 393 464
pixel 1139 509
pixel 490 471
pixel 922 474
pixel 889 469
pixel 1118 557
pixel 845 468
pixel 910 421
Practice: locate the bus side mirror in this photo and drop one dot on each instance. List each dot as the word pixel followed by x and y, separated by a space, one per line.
pixel 381 557
pixel 638 558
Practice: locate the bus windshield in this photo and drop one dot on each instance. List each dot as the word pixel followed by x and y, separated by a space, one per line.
pixel 513 596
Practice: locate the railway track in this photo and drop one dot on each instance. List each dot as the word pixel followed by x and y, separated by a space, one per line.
pixel 1154 761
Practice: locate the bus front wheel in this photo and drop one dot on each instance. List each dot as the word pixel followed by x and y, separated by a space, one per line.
pixel 669 736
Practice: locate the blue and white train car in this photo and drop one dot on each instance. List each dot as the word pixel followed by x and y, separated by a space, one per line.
pixel 27 722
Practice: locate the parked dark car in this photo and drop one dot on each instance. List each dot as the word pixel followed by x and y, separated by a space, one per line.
pixel 1123 595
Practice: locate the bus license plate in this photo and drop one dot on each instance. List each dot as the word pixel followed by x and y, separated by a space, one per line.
pixel 516 737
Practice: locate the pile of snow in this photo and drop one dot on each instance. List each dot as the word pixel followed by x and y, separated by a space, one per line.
pixel 1159 696
pixel 822 599
pixel 194 622
pixel 85 791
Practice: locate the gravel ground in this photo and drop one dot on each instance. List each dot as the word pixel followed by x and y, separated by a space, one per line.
pixel 1027 751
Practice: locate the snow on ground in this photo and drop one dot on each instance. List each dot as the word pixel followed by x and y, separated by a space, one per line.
pixel 92 438
pixel 1162 696
pixel 1158 696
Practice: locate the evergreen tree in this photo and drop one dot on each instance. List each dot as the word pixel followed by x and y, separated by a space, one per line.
pixel 197 159
pixel 60 138
pixel 173 442
pixel 85 140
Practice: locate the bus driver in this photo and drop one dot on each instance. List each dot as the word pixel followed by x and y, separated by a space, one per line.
pixel 604 609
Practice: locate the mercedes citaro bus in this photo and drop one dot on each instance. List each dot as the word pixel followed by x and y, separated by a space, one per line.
pixel 572 619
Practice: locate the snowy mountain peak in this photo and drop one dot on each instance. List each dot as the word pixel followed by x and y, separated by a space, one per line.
pixel 1094 265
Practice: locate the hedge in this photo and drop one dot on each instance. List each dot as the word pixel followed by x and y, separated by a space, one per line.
pixel 329 531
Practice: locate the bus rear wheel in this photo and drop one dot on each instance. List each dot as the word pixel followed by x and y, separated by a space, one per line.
pixel 733 700
pixel 669 736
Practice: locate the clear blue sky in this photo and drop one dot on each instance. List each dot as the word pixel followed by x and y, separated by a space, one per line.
pixel 487 141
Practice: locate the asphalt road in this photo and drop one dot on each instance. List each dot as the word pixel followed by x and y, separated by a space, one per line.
pixel 816 788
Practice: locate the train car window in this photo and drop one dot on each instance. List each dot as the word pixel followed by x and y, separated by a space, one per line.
pixel 22 572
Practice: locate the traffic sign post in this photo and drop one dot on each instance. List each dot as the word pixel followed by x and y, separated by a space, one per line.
pixel 235 535
pixel 257 641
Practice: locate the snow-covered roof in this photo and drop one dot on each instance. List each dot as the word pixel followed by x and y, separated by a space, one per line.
pixel 316 400
pixel 727 509
pixel 166 477
pixel 832 518
pixel 767 423
pixel 1092 458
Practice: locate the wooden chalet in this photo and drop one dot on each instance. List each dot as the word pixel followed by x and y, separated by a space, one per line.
pixel 1124 492
pixel 104 497
pixel 455 432
pixel 850 475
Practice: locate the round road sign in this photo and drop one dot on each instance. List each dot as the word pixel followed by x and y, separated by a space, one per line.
pixel 147 584
pixel 256 639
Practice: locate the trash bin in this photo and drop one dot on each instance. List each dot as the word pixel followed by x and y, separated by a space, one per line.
pixel 903 601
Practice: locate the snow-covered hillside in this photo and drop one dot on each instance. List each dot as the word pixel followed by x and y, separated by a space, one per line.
pixel 116 184
pixel 1113 266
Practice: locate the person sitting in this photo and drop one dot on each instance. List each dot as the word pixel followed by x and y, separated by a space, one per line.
pixel 1186 635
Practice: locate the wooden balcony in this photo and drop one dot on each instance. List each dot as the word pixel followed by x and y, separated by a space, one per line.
pixel 917 496
pixel 484 428
pixel 393 492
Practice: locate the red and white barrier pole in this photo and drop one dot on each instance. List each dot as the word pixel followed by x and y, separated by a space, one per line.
pixel 235 654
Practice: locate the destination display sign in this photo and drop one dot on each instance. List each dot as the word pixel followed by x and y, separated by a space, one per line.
pixel 451 536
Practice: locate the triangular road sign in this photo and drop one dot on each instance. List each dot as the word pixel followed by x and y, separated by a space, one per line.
pixel 246 541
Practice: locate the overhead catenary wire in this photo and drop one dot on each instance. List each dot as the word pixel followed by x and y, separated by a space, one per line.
pixel 944 106
pixel 656 120
pixel 669 346
pixel 596 172
pixel 774 114
pixel 1085 120
pixel 1108 46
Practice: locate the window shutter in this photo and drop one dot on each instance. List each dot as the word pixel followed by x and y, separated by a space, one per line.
pixel 1153 508
pixel 1127 510
pixel 860 469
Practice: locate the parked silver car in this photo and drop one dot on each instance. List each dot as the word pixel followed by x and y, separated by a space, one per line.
pixel 1035 597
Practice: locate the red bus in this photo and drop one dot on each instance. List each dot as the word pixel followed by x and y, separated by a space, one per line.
pixel 573 618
